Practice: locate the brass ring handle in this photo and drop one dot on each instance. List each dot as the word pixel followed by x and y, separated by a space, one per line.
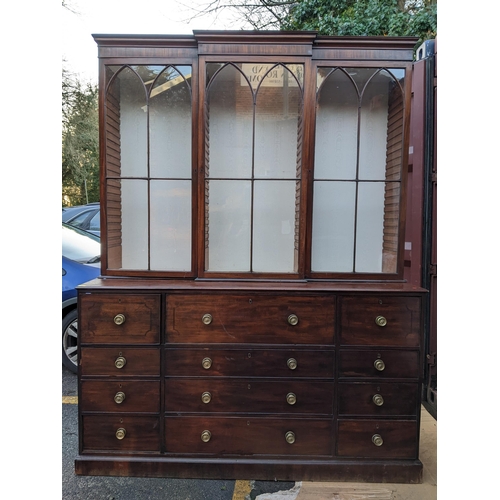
pixel 119 397
pixel 120 362
pixel 206 363
pixel 378 399
pixel 207 319
pixel 381 321
pixel 119 319
pixel 293 319
pixel 291 398
pixel 292 363
pixel 120 433
pixel 205 436
pixel 290 437
pixel 206 397
pixel 379 365
pixel 377 440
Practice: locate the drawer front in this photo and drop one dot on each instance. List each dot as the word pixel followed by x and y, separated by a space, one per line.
pixel 257 319
pixel 120 396
pixel 398 438
pixel 248 436
pixel 248 396
pixel 121 433
pixel 372 399
pixel 395 364
pixel 119 319
pixel 118 361
pixel 243 362
pixel 402 317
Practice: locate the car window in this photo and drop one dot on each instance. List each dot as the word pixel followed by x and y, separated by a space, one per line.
pixel 79 219
pixel 95 222
pixel 77 245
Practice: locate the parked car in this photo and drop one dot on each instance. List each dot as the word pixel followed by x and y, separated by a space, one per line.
pixel 81 253
pixel 87 217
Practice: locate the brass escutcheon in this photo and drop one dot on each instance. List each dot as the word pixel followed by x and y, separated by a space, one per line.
pixel 293 319
pixel 120 362
pixel 290 437
pixel 292 363
pixel 119 397
pixel 207 319
pixel 119 319
pixel 120 433
pixel 379 365
pixel 378 399
pixel 205 436
pixel 377 440
pixel 291 398
pixel 381 321
pixel 206 363
pixel 206 397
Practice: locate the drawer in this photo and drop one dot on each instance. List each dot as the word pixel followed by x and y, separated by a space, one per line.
pixel 288 363
pixel 357 438
pixel 251 318
pixel 135 396
pixel 248 436
pixel 372 399
pixel 120 361
pixel 248 396
pixel 400 317
pixel 379 363
pixel 120 433
pixel 119 319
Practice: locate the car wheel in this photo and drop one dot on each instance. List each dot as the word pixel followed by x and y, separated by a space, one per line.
pixel 70 341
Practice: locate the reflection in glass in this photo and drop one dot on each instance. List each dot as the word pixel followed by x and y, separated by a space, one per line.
pixel 277 115
pixel 359 137
pixel 333 226
pixel 336 128
pixel 148 135
pixel 134 224
pixel 253 131
pixel 229 216
pixel 126 125
pixel 170 217
pixel 170 126
pixel 274 227
pixel 229 134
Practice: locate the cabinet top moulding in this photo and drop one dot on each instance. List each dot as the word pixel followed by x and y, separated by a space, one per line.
pixel 262 42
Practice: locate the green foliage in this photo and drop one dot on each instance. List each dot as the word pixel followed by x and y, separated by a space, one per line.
pixel 80 141
pixel 364 18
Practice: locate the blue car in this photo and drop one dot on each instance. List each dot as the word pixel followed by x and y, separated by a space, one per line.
pixel 81 253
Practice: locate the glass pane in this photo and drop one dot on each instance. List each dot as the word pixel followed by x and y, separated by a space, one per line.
pixel 277 119
pixel 170 225
pixel 134 224
pixel 274 227
pixel 381 128
pixel 333 226
pixel 336 128
pixel 228 227
pixel 370 227
pixel 126 126
pixel 95 222
pixel 229 132
pixel 170 126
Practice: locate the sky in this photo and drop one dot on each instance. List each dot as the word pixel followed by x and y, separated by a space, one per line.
pixel 120 17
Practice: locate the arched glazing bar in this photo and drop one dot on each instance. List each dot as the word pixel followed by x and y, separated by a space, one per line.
pixel 253 113
pixel 357 170
pixel 148 167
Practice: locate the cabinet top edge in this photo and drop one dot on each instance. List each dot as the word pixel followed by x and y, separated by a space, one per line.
pixel 245 286
pixel 256 37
